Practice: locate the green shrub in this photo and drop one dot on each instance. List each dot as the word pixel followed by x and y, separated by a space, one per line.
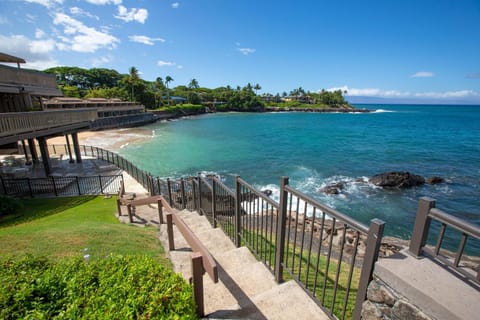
pixel 9 205
pixel 117 287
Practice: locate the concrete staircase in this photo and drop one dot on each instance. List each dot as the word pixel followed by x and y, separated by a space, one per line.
pixel 246 288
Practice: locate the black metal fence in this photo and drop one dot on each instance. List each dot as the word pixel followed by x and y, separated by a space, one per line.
pixel 61 186
pixel 427 214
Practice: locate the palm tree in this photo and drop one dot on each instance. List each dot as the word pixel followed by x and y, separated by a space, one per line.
pixel 159 87
pixel 257 87
pixel 168 79
pixel 133 78
pixel 193 84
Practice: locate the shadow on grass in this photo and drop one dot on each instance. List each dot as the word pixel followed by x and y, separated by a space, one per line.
pixel 33 209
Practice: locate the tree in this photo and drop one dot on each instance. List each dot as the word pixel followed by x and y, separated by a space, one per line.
pixel 168 79
pixel 133 78
pixel 159 88
pixel 193 84
pixel 256 88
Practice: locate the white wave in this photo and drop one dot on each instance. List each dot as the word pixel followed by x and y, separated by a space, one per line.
pixel 383 111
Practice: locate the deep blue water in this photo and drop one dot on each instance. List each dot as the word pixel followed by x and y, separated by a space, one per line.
pixel 315 149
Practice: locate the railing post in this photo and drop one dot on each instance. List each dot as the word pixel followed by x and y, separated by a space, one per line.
pixel 169 187
pixel 119 207
pixel 197 279
pixel 171 241
pixel 199 194
pixel 78 186
pixel 238 216
pixel 54 186
pixel 3 186
pixel 374 239
pixel 30 187
pixel 194 193
pixel 280 232
pixel 160 211
pixel 101 186
pixel 182 190
pixel 214 202
pixel 130 215
pixel 421 227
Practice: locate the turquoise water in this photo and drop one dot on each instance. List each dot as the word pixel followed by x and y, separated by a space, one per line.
pixel 316 149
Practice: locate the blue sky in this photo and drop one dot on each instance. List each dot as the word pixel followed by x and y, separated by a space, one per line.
pixel 418 51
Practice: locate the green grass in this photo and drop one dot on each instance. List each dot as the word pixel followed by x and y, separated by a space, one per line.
pixel 69 227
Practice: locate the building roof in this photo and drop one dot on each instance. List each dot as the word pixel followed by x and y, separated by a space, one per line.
pixel 10 59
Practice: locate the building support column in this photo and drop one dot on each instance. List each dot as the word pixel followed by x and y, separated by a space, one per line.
pixel 76 147
pixel 42 142
pixel 27 158
pixel 33 150
pixel 69 149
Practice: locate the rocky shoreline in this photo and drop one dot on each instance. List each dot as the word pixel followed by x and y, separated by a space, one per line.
pixel 320 110
pixel 163 115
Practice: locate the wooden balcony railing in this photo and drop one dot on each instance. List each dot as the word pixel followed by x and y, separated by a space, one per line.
pixel 22 122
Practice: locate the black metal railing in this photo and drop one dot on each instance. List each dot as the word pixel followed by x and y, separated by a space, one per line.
pixel 427 214
pixel 258 222
pixel 61 186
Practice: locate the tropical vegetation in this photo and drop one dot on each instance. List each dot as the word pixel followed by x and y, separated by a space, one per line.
pixel 70 258
pixel 157 94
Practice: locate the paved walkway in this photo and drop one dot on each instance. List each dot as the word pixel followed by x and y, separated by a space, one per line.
pixel 246 288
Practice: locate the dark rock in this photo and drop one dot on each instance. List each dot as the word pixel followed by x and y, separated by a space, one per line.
pixel 401 180
pixel 267 192
pixel 435 180
pixel 333 188
pixel 330 190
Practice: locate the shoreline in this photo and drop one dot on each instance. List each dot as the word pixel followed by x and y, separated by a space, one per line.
pixel 111 139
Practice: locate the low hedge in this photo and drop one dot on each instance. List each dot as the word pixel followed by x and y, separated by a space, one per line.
pixel 117 287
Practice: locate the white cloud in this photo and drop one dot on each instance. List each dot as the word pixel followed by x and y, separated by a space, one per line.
pixel 246 51
pixel 375 92
pixel 162 63
pixel 80 12
pixel 46 3
pixel 42 46
pixel 175 5
pixel 423 74
pixel 35 52
pixel 145 39
pixel 104 2
pixel 39 33
pixel 99 61
pixel 81 38
pixel 134 14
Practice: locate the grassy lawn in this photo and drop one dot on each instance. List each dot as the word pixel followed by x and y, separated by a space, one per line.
pixel 74 226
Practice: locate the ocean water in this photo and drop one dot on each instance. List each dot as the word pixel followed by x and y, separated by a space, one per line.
pixel 317 149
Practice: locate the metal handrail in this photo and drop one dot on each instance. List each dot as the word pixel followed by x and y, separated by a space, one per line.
pixel 330 211
pixel 425 213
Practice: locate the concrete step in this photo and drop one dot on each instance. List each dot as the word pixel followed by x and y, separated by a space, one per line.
pixel 286 301
pixel 232 259
pixel 215 241
pixel 195 222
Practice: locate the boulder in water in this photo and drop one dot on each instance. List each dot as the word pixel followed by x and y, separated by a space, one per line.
pixel 435 180
pixel 400 180
pixel 333 188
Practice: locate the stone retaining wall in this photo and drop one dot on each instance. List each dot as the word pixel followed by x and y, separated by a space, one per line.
pixel 384 303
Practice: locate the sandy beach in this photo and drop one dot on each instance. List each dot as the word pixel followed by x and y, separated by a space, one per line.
pixel 112 140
